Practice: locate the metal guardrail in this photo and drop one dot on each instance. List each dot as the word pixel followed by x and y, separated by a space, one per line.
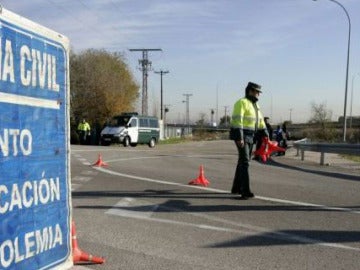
pixel 336 148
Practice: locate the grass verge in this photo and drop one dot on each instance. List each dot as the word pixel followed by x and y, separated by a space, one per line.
pixel 352 157
pixel 174 140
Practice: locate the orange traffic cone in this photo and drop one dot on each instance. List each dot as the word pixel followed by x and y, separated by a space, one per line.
pixel 100 162
pixel 79 255
pixel 267 148
pixel 262 152
pixel 274 147
pixel 201 180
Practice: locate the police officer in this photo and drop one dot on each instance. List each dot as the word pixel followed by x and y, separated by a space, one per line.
pixel 246 121
pixel 269 127
pixel 83 130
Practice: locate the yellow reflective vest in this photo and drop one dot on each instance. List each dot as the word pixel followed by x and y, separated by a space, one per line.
pixel 84 126
pixel 246 119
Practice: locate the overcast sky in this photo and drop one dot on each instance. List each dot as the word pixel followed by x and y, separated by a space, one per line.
pixel 296 49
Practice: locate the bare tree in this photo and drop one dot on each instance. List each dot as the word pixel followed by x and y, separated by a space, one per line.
pixel 225 120
pixel 323 128
pixel 320 114
pixel 202 120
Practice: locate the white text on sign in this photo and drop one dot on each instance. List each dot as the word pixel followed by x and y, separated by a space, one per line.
pixel 15 139
pixel 37 69
pixel 35 242
pixel 29 194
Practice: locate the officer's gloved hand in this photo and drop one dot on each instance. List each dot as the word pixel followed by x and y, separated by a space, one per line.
pixel 240 143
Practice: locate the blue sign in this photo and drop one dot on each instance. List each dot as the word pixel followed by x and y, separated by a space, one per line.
pixel 34 147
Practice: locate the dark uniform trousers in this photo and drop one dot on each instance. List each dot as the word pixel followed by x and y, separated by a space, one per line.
pixel 241 180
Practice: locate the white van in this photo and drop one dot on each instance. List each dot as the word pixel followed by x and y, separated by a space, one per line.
pixel 131 129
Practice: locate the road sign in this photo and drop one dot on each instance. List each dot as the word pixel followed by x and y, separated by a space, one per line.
pixel 35 205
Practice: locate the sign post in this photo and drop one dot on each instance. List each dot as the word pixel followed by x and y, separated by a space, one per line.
pixel 35 204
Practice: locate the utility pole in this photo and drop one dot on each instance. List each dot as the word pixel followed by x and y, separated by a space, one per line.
pixel 271 106
pixel 212 112
pixel 290 113
pixel 145 67
pixel 166 110
pixel 217 106
pixel 161 72
pixel 226 107
pixel 187 110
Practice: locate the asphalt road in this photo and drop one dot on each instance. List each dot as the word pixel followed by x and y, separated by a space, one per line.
pixel 140 212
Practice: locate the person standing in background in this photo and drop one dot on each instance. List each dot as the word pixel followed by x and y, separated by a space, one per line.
pixel 83 131
pixel 268 127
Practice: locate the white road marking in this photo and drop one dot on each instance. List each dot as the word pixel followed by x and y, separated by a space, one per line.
pixel 250 229
pixel 89 172
pixel 324 207
pixel 282 201
pixel 127 214
pixel 297 203
pixel 144 211
pixel 75 186
pixel 162 156
pixel 81 178
pixel 79 267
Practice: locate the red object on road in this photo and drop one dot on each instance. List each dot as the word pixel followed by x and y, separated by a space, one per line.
pixel 267 148
pixel 79 255
pixel 201 179
pixel 100 162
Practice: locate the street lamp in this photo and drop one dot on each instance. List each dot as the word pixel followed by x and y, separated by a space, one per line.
pixel 166 110
pixel 351 98
pixel 347 66
pixel 161 72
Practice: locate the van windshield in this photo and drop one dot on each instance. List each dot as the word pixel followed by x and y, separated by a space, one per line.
pixel 119 121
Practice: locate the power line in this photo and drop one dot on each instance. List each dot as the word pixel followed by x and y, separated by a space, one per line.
pixel 75 17
pixel 145 67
